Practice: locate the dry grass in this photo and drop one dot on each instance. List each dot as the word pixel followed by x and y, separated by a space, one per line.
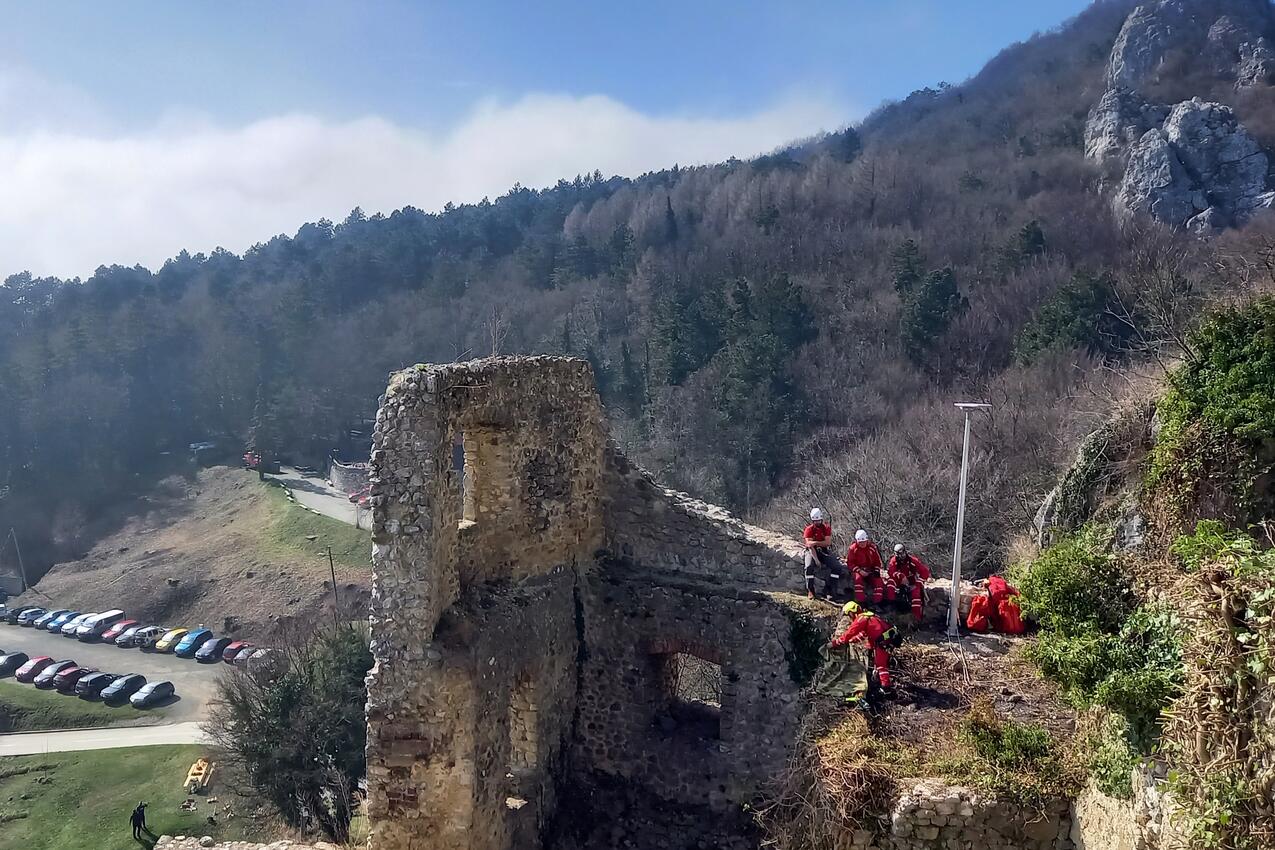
pixel 215 550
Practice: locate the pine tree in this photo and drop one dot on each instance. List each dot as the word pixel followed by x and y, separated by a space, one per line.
pixel 907 266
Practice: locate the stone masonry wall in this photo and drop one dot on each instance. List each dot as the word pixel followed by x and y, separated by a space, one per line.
pixel 665 529
pixel 626 729
pixel 933 815
pixel 529 603
pixel 348 477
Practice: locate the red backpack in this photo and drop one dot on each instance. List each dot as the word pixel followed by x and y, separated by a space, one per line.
pixel 1010 616
pixel 978 620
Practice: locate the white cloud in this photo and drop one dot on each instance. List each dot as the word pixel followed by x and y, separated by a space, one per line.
pixel 74 199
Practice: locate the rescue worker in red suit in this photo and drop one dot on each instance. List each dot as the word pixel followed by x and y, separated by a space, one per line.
pixel 874 632
pixel 906 575
pixel 863 560
pixel 817 539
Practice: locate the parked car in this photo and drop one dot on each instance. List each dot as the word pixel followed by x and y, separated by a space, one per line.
pixel 56 624
pixel 93 684
pixel 118 629
pixel 169 641
pixel 12 615
pixel 32 668
pixel 190 644
pixel 234 648
pixel 256 658
pixel 92 628
pixel 65 680
pixel 151 693
pixel 146 637
pixel 69 627
pixel 29 616
pixel 212 649
pixel 49 617
pixel 126 636
pixel 10 662
pixel 123 687
pixel 45 679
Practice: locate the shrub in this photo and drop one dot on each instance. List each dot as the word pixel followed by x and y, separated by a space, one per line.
pixel 1079 315
pixel 1075 587
pixel 1113 756
pixel 297 730
pixel 1003 741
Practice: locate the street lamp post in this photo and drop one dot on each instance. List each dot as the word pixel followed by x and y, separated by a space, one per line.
pixel 954 609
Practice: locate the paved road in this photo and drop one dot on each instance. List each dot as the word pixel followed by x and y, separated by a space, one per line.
pixel 317 494
pixel 195 682
pixel 35 743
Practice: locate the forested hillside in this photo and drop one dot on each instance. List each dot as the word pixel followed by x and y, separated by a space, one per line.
pixel 795 324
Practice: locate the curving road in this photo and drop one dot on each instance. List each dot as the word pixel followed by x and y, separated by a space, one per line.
pixel 321 497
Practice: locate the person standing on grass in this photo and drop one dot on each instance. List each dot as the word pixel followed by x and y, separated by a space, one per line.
pixel 139 821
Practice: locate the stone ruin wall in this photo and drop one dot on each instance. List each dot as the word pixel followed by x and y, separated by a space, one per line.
pixel 527 604
pixel 532 590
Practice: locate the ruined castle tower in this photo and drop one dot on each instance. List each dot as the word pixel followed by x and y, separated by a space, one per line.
pixel 542 610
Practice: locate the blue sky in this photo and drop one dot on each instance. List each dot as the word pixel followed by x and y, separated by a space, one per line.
pixel 197 124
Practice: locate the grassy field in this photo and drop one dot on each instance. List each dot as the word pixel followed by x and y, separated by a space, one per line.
pixel 71 801
pixel 291 526
pixel 23 708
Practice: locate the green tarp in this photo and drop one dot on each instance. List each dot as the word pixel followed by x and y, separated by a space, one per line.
pixel 844 674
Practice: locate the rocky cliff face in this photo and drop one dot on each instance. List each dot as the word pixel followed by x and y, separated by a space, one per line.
pixel 1191 165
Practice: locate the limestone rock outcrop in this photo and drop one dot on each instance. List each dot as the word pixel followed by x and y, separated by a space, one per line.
pixel 1119 119
pixel 1200 170
pixel 1192 165
pixel 1233 35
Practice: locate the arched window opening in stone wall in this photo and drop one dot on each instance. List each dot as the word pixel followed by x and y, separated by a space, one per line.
pixel 693 696
pixel 524 729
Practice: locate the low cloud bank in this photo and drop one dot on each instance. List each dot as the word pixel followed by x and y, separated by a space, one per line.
pixel 75 199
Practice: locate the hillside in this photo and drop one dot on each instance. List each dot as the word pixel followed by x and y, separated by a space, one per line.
pixel 221 549
pixel 766 333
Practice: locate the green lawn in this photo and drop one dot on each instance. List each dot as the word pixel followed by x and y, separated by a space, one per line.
pixel 290 527
pixel 23 708
pixel 71 801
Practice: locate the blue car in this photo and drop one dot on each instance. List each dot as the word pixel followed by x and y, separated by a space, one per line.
pixel 43 622
pixel 188 645
pixel 56 624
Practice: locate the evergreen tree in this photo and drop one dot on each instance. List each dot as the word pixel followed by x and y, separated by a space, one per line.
pixel 670 221
pixel 928 313
pixel 907 266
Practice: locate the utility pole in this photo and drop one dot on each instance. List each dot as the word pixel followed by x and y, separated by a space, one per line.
pixel 954 609
pixel 336 602
pixel 13 535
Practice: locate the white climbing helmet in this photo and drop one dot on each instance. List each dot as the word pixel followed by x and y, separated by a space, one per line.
pixel 861 536
pixel 899 548
pixel 816 515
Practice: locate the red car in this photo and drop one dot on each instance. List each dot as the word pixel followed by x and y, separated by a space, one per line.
pixel 234 648
pixel 65 681
pixel 118 629
pixel 27 672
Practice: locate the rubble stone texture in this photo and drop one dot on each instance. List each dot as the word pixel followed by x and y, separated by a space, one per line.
pixel 531 590
pixel 933 814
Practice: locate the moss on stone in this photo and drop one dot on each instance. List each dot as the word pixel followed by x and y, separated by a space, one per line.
pixel 806 638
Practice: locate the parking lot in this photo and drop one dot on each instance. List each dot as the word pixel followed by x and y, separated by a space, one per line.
pixel 195 682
